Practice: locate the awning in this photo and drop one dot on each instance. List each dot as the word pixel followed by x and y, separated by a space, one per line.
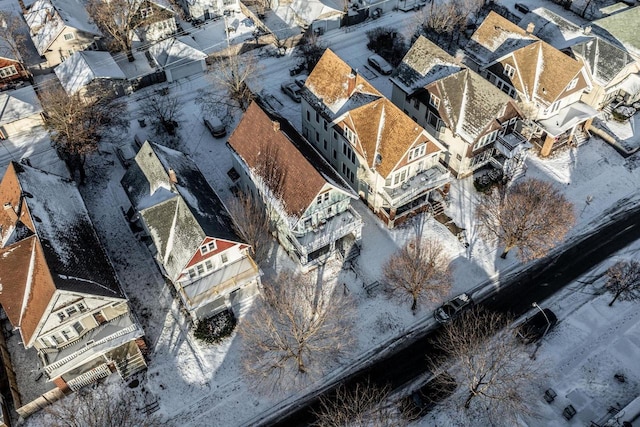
pixel 567 118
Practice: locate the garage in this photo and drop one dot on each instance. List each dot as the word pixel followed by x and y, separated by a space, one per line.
pixel 180 57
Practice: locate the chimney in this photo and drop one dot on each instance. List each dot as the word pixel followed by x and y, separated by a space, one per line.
pixel 9 210
pixel 530 27
pixel 587 30
pixel 276 126
pixel 172 176
pixel 351 83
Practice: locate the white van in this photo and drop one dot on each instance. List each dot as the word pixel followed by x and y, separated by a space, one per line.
pixel 215 126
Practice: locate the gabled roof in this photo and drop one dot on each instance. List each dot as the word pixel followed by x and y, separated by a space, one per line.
pixel 423 64
pixel 173 52
pixel 56 249
pixel 621 28
pixel 305 172
pixel 179 216
pixel 470 103
pixel 18 104
pixel 495 37
pixel 47 18
pixel 332 81
pixel 83 67
pixel 604 59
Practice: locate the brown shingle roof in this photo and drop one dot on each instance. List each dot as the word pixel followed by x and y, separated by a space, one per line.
pixel 257 136
pixel 495 37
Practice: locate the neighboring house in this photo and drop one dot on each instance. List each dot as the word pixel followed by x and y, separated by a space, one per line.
pixel 476 122
pixel 621 29
pixel 20 110
pixel 159 21
pixel 59 289
pixel 611 69
pixel 194 238
pixel 204 10
pixel 389 160
pixel 59 28
pixel 12 68
pixel 86 70
pixel 547 83
pixel 179 57
pixel 307 201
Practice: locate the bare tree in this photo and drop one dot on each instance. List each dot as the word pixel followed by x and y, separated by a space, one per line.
pixel 78 123
pixel 164 111
pixel 532 215
pixel 419 271
pixel 623 281
pixel 119 19
pixel 252 220
pixel 12 39
pixel 362 405
pixel 310 50
pixel 449 18
pixel 299 328
pixel 100 407
pixel 489 367
pixel 231 76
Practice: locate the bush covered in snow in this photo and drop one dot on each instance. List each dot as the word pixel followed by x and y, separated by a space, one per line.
pixel 214 329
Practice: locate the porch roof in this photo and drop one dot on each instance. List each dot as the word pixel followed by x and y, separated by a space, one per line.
pixel 567 117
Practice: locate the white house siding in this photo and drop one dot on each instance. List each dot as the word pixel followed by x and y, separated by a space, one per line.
pixel 20 126
pixel 186 70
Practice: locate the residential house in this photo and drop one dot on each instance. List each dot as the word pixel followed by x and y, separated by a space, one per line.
pixel 204 10
pixel 475 121
pixel 88 70
pixel 613 72
pixel 179 57
pixel 59 289
pixel 307 201
pixel 12 69
pixel 20 110
pixel 59 28
pixel 547 83
pixel 193 237
pixel 159 21
pixel 388 159
pixel 621 29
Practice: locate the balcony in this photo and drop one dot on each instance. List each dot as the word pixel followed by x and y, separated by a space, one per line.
pixel 511 144
pixel 330 230
pixel 429 179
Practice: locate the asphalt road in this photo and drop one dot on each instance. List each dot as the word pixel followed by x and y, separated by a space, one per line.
pixel 514 295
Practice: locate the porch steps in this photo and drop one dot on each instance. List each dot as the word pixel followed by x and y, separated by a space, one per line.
pixel 580 138
pixel 437 208
pixel 131 364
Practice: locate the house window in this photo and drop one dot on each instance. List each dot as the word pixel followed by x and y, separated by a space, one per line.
pixel 208 265
pixel 224 258
pixel 317 117
pixel 324 124
pixel 417 152
pixel 485 140
pixel 317 137
pixel 146 12
pixel 81 307
pixel 55 339
pixel 335 154
pixel 512 120
pixel 69 36
pixel 344 169
pixel 572 84
pixel 400 177
pixel 61 316
pixel 8 71
pixel 416 103
pixel 308 115
pixel 434 101
pixel 200 269
pixel 509 71
pixel 71 311
pixel 324 143
pixel 192 273
pixel 349 134
pixel 66 334
pixel 205 249
pixel 433 121
pixel 335 135
pixel 78 327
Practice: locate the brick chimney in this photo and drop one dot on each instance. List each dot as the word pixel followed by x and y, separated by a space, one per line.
pixel 276 126
pixel 8 208
pixel 172 176
pixel 351 83
pixel 530 27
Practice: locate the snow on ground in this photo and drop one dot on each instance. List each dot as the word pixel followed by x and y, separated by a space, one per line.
pixel 627 133
pixel 35 145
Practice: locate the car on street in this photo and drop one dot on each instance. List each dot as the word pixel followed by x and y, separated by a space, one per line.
pixel 422 401
pixel 378 62
pixel 451 309
pixel 536 326
pixel 522 8
pixel 292 90
pixel 215 126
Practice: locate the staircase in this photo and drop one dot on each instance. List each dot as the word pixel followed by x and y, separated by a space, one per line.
pixel 437 208
pixel 131 364
pixel 580 137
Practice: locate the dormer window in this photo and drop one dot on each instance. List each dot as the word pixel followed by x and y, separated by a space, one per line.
pixel 322 198
pixel 146 12
pixel 69 36
pixel 209 247
pixel 434 101
pixel 509 71
pixel 417 152
pixel 348 133
pixel 572 84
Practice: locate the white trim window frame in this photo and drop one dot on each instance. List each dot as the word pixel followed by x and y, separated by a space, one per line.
pixel 209 247
pixel 8 71
pixel 349 134
pixel 572 84
pixel 485 140
pixel 146 12
pixel 509 71
pixel 434 101
pixel 417 152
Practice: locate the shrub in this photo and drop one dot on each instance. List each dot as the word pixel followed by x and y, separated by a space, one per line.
pixel 216 328
pixel 388 43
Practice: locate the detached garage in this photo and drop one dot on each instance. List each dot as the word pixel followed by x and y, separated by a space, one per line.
pixel 179 57
pixel 20 110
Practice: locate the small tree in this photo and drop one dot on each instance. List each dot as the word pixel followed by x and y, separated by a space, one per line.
pixel 103 406
pixel 419 271
pixel 77 123
pixel 532 215
pixel 623 281
pixel 252 220
pixel 164 111
pixel 298 328
pixel 310 50
pixel 231 77
pixel 362 405
pixel 488 365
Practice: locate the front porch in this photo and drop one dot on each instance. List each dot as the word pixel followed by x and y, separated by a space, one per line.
pixel 568 126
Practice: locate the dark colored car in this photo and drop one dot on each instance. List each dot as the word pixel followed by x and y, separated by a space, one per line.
pixel 292 90
pixel 522 8
pixel 536 326
pixel 451 309
pixel 422 401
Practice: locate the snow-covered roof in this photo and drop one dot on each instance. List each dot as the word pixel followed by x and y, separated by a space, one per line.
pixel 621 28
pixel 47 19
pixel 423 64
pixel 305 172
pixel 177 51
pixel 48 243
pixel 567 117
pixel 83 67
pixel 179 215
pixel 7 52
pixel 18 104
pixel 309 11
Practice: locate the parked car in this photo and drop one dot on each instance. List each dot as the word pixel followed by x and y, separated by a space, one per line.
pixel 377 13
pixel 423 400
pixel 300 80
pixel 451 309
pixel 377 62
pixel 536 326
pixel 522 8
pixel 297 69
pixel 215 126
pixel 292 90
